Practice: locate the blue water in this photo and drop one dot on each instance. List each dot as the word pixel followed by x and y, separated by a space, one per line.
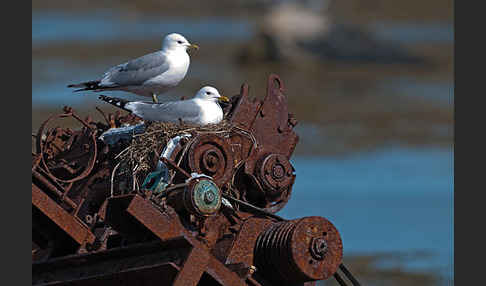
pixel 392 200
pixel 437 91
pixel 48 28
pixel 104 25
pixel 407 33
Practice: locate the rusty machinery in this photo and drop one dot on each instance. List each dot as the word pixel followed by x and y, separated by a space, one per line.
pixel 212 222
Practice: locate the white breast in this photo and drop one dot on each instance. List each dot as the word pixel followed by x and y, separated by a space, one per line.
pixel 179 64
pixel 211 112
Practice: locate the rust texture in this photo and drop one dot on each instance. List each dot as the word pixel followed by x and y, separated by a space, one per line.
pixel 216 228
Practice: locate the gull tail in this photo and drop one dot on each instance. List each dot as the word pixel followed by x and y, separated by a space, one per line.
pixel 88 85
pixel 118 102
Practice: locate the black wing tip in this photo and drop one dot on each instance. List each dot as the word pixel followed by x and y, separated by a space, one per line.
pixel 89 85
pixel 109 99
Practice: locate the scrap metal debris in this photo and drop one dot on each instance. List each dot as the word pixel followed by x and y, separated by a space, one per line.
pixel 127 202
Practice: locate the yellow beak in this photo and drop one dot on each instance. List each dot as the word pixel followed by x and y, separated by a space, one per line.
pixel 223 99
pixel 193 46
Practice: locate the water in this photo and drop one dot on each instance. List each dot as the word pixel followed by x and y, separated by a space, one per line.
pixel 391 200
pixel 49 28
pixel 407 33
pixel 440 91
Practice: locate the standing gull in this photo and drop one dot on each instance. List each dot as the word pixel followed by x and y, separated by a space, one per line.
pixel 149 75
pixel 203 109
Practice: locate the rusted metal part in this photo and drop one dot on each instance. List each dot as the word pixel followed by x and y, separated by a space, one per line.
pixel 271 124
pixel 140 264
pixel 302 250
pixel 168 228
pixel 93 226
pixel 211 155
pixel 76 229
pixel 43 181
pixel 79 166
pixel 242 247
pixel 122 209
pixel 36 158
pixel 244 110
pixel 348 274
pixel 272 129
pixel 171 164
pixel 276 173
pixel 193 268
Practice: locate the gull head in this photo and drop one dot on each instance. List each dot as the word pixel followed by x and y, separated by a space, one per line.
pixel 177 42
pixel 211 94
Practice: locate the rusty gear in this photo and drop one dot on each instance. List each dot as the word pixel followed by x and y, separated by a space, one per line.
pixel 67 157
pixel 276 173
pixel 211 155
pixel 300 250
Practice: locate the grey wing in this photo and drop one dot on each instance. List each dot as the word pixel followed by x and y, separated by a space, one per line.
pixel 187 110
pixel 137 71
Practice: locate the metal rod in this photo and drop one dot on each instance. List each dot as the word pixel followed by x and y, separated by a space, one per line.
pixel 173 165
pixel 349 275
pixel 261 211
pixel 53 189
pixel 166 191
pixel 176 186
pixel 339 279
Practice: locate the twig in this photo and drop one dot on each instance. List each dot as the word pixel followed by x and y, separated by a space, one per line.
pixel 112 177
pixel 122 152
pixel 103 114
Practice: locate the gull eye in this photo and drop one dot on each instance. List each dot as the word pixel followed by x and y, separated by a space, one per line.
pixel 208 93
pixel 180 42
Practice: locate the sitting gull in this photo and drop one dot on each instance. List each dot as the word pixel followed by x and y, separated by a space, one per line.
pixel 203 109
pixel 149 75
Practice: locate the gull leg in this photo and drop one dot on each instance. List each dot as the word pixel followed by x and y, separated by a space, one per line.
pixel 154 98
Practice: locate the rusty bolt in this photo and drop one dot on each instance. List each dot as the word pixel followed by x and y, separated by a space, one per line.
pixel 318 248
pixel 209 197
pixel 278 171
pixel 212 160
pixel 252 269
pixel 89 219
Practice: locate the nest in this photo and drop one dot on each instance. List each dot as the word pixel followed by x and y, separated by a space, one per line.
pixel 140 157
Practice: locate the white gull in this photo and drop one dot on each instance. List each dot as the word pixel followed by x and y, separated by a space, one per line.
pixel 149 75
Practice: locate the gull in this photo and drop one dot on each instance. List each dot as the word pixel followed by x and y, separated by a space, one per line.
pixel 202 109
pixel 149 75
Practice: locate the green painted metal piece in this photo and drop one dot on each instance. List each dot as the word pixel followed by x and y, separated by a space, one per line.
pixel 207 197
pixel 155 181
